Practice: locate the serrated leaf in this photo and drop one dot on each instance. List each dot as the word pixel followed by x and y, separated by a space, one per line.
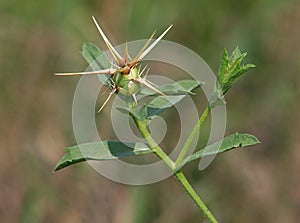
pixel 238 73
pixel 96 59
pixel 231 69
pixel 178 88
pixel 105 150
pixel 223 67
pixel 228 143
pixel 235 54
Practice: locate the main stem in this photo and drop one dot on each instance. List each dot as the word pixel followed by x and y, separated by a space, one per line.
pixel 190 190
pixel 142 126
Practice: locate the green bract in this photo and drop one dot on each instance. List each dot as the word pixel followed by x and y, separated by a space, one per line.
pixel 126 84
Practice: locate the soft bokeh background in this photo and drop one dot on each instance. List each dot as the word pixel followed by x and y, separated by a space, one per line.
pixel 38 38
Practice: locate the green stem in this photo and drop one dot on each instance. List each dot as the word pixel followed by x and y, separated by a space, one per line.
pixel 192 136
pixel 190 190
pixel 142 126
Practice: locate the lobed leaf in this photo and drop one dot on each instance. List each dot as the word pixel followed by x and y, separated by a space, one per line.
pixel 231 69
pixel 223 67
pixel 104 150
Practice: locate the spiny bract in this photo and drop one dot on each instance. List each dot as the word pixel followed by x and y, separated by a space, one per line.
pixel 125 78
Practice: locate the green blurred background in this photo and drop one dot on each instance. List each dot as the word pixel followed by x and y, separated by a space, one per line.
pixel 39 38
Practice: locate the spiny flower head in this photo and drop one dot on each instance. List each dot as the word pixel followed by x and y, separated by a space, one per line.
pixel 125 78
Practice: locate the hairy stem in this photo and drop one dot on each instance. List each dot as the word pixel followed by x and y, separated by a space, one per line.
pixel 142 126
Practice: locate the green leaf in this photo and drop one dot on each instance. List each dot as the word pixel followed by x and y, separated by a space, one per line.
pixel 139 112
pixel 105 150
pixel 96 59
pixel 217 98
pixel 153 109
pixel 228 143
pixel 178 88
pixel 231 69
pixel 176 92
pixel 223 67
pixel 160 104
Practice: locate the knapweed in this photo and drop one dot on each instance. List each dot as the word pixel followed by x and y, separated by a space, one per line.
pixel 126 76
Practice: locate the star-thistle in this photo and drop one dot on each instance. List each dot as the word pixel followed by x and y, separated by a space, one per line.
pixel 126 77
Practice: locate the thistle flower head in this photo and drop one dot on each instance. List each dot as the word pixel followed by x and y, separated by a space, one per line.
pixel 125 76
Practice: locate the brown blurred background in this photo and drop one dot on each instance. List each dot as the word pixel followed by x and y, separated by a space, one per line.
pixel 38 38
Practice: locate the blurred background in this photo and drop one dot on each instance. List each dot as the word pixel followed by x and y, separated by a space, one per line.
pixel 39 38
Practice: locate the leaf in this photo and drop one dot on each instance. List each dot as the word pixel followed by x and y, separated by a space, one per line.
pixel 231 69
pixel 217 98
pixel 223 67
pixel 228 143
pixel 96 59
pixel 153 109
pixel 105 150
pixel 139 112
pixel 160 104
pixel 178 88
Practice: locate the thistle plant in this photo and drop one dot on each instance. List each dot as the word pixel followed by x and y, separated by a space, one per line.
pixel 125 77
